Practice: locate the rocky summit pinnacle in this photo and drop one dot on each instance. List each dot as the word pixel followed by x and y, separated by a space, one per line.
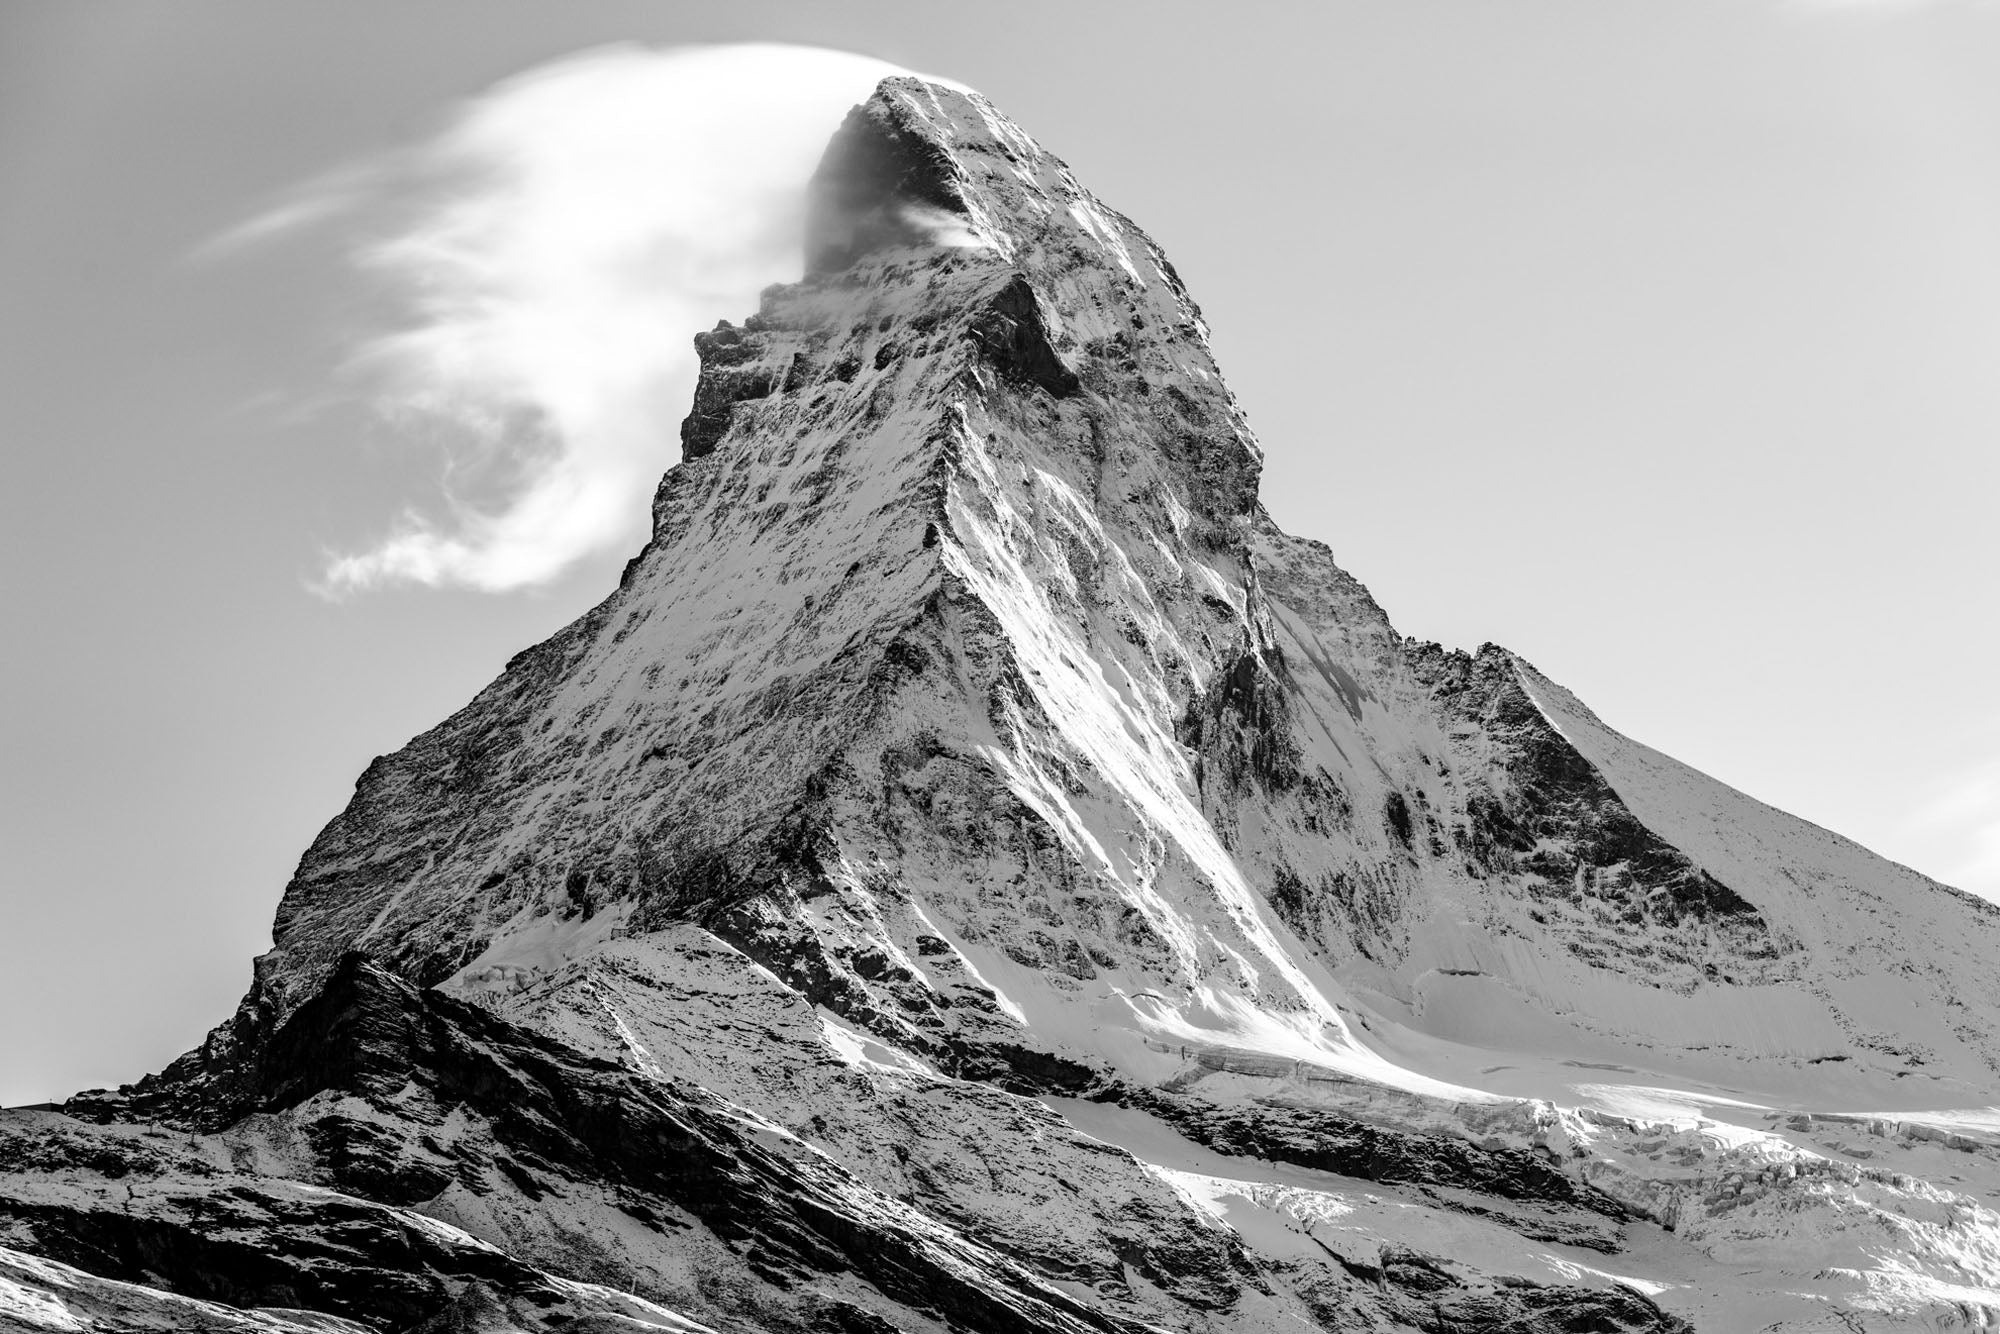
pixel 977 873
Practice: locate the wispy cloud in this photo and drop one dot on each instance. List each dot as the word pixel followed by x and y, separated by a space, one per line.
pixel 1958 819
pixel 305 205
pixel 553 251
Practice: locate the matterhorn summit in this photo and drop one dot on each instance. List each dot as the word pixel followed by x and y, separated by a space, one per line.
pixel 976 873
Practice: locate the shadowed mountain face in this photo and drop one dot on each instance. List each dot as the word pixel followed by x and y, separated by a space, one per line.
pixel 976 873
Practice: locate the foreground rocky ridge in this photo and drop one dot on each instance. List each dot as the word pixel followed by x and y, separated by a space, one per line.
pixel 977 873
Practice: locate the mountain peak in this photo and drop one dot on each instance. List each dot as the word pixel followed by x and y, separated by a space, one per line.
pixel 968 775
pixel 889 177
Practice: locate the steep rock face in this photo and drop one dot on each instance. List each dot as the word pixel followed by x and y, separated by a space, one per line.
pixel 873 645
pixel 1546 818
pixel 396 1098
pixel 390 1156
pixel 976 872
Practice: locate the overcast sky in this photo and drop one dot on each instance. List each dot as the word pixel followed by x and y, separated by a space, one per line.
pixel 1656 342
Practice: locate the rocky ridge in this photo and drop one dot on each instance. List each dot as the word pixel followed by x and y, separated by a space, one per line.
pixel 976 872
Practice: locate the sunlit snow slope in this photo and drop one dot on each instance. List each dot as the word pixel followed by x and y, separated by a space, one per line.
pixel 973 828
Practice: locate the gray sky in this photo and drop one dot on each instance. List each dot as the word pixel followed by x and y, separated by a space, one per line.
pixel 1655 342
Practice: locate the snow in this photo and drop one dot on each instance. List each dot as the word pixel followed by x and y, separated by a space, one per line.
pixel 38 1307
pixel 1289 1212
pixel 611 1308
pixel 865 1052
pixel 43 1295
pixel 1013 821
pixel 1903 968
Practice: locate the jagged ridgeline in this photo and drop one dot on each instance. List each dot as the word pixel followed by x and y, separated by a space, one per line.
pixel 976 873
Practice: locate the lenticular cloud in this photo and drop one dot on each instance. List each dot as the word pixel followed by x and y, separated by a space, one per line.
pixel 570 229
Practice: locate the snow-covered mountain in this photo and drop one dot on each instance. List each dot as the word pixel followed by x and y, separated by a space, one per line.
pixel 977 873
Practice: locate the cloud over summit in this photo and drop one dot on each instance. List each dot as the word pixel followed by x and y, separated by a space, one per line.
pixel 559 242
